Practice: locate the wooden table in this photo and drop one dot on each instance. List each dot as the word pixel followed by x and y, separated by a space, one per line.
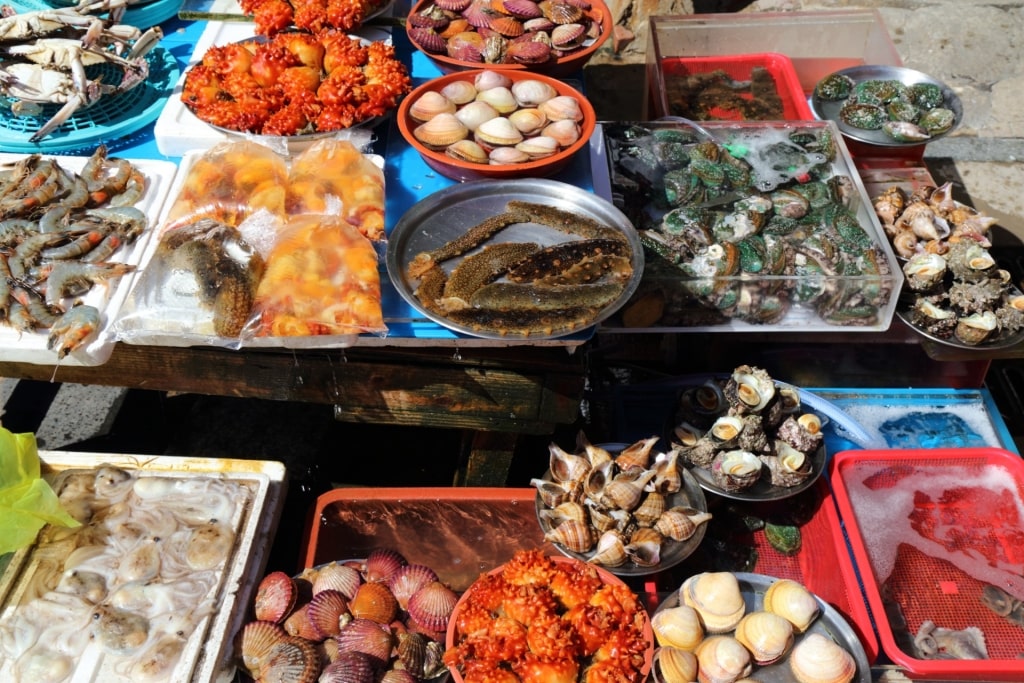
pixel 495 393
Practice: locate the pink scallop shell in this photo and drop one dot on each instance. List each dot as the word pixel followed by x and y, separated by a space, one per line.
pixel 410 579
pixel 367 637
pixel 432 606
pixel 429 40
pixel 350 667
pixel 275 597
pixel 339 577
pixel 325 612
pixel 256 639
pixel 382 563
pixel 524 9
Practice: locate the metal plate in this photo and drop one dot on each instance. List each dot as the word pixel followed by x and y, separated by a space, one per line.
pixel 1004 339
pixel 446 215
pixel 826 109
pixel 763 490
pixel 672 552
pixel 830 623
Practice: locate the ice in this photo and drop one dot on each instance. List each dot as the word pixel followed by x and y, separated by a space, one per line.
pixel 923 426
pixel 883 516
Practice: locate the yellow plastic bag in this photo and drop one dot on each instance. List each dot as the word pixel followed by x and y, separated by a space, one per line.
pixel 26 501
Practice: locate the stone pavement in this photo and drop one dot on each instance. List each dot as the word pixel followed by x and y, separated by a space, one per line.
pixel 971 45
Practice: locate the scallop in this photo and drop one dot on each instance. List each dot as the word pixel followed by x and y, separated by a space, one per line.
pixel 294 660
pixel 430 104
pixel 819 659
pixel 440 131
pixel 679 627
pixel 300 624
pixel 432 606
pixel 383 563
pixel 275 597
pixel 374 601
pixel 717 598
pixel 767 636
pixel 326 611
pixel 337 576
pixel 368 637
pixel 722 659
pixel 408 580
pixel 791 600
pixel 350 667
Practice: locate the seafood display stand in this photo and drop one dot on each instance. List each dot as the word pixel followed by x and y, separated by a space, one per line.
pixel 423 374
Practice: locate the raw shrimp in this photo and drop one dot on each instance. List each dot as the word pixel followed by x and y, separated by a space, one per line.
pixel 73 329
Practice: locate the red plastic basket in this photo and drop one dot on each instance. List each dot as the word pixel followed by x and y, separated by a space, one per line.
pixel 929 530
pixel 680 96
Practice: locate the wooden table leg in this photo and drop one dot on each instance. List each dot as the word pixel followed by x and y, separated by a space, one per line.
pixel 489 459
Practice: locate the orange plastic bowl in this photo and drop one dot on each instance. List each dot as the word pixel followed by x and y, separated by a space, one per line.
pixel 456 169
pixel 560 66
pixel 453 636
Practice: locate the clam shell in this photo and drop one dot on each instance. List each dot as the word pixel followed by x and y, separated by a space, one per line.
pixel 459 92
pixel 530 121
pixel 561 12
pixel 339 577
pixel 818 659
pixel 375 602
pixel 487 79
pixel 791 600
pixel 440 131
pixel 503 156
pixel 293 659
pixel 722 659
pixel 275 597
pixel 409 579
pixel 678 627
pixel 500 98
pixel 566 132
pixel 430 104
pixel 256 639
pixel 326 610
pixel 432 606
pixel 478 14
pixel 717 598
pixel 398 676
pixel 673 665
pixel 768 636
pixel 498 131
pixel 368 637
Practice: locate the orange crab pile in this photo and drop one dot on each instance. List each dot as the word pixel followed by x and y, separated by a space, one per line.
pixel 540 618
pixel 295 83
pixel 274 16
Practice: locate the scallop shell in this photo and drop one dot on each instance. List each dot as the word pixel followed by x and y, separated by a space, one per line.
pixel 453 5
pixel 374 601
pixel 456 27
pixel 432 606
pixel 326 610
pixel 722 659
pixel 440 131
pixel 430 104
pixel 429 40
pixel 300 625
pixel 568 35
pixel 350 667
pixel 524 9
pixel 366 636
pixel 339 577
pixel 561 12
pixel 768 636
pixel 510 27
pixel 717 598
pixel 436 21
pixel 256 639
pixel 818 659
pixel 791 600
pixel 293 659
pixel 528 52
pixel 466 46
pixel 679 627
pixel 398 676
pixel 408 580
pixel 383 563
pixel 275 597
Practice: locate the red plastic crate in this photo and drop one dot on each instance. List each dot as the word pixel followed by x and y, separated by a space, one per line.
pixel 929 529
pixel 674 71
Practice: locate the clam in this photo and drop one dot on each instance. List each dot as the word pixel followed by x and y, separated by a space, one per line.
pixel 503 156
pixel 722 659
pixel 819 659
pixel 735 470
pixel 680 523
pixel 672 665
pixel 791 600
pixel 576 536
pixel 530 121
pixel 678 627
pixel 717 598
pixel 440 131
pixel 539 147
pixel 610 550
pixel 497 132
pixel 430 104
pixel 476 112
pixel 470 152
pixel 459 92
pixel 976 328
pixel 531 92
pixel 767 636
pixel 487 79
pixel 566 132
pixel 562 107
pixel 499 97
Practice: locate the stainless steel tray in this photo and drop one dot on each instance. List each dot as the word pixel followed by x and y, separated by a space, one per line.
pixel 447 214
pixel 208 652
pixel 826 109
pixel 830 623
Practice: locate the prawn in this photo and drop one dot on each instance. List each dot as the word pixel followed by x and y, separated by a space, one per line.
pixel 71 277
pixel 73 329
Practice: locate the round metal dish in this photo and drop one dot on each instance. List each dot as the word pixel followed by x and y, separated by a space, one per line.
pixel 829 109
pixel 1004 339
pixel 672 552
pixel 830 623
pixel 110 119
pixel 448 214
